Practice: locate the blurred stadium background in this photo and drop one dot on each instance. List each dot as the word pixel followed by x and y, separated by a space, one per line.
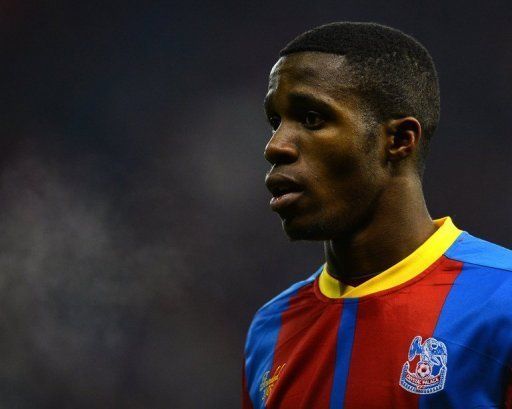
pixel 136 240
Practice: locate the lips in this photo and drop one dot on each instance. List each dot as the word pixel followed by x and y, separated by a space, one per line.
pixel 285 190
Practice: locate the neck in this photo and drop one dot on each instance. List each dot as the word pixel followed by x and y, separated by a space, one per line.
pixel 398 226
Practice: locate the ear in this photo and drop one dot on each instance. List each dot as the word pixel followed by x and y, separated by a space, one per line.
pixel 403 138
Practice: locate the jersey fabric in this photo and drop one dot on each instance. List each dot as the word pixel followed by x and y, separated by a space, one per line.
pixel 433 331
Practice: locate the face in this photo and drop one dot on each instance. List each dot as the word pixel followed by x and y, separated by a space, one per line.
pixel 328 166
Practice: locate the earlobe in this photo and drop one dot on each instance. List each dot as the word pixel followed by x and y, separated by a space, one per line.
pixel 404 135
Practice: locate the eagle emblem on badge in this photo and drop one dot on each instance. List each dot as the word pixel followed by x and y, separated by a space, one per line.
pixel 428 363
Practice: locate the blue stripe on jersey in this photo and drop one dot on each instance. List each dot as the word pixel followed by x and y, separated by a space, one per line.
pixel 469 249
pixel 474 326
pixel 262 338
pixel 343 353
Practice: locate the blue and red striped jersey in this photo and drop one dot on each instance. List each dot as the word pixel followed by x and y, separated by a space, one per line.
pixel 433 331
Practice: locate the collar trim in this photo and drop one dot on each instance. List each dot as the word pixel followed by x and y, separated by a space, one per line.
pixel 405 270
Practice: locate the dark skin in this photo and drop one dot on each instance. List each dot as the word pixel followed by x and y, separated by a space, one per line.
pixel 337 175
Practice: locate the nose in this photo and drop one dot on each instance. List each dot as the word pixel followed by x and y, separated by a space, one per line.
pixel 280 150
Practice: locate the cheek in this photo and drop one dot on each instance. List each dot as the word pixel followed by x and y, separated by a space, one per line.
pixel 344 171
pixel 348 182
pixel 337 169
pixel 327 168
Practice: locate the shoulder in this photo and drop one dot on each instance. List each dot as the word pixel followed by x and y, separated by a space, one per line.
pixel 486 272
pixel 280 302
pixel 268 318
pixel 472 250
pixel 479 304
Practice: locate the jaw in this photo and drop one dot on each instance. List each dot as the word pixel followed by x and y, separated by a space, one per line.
pixel 313 227
pixel 339 221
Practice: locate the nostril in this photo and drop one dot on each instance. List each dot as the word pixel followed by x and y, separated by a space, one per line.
pixel 280 153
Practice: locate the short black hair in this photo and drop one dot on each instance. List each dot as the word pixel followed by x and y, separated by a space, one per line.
pixel 394 73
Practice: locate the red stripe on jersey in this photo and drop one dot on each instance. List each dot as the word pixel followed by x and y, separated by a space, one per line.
pixel 384 333
pixel 305 352
pixel 508 393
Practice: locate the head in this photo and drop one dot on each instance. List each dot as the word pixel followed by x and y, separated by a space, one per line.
pixel 352 108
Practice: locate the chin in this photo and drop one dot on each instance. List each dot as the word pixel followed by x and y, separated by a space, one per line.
pixel 317 228
pixel 305 231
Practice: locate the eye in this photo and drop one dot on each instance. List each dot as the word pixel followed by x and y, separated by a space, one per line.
pixel 313 120
pixel 274 121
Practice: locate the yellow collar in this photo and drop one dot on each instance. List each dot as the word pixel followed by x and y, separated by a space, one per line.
pixel 406 269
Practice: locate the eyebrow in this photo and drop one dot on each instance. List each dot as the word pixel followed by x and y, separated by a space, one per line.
pixel 300 99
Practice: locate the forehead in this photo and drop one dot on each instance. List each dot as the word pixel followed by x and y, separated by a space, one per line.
pixel 315 71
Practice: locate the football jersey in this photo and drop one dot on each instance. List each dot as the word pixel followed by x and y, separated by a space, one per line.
pixel 432 331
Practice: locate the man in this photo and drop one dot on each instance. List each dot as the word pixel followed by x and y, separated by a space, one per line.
pixel 406 312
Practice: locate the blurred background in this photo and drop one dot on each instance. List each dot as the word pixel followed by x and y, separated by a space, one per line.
pixel 136 240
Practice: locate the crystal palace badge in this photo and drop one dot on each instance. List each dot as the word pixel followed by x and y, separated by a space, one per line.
pixel 429 373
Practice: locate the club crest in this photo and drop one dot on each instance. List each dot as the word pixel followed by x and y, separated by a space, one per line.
pixel 429 362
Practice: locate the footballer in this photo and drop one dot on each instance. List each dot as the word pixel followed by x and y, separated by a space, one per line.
pixel 407 311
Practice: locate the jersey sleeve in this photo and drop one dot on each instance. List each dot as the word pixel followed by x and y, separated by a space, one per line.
pixel 246 400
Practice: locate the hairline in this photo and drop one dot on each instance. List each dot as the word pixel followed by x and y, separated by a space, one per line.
pixel 370 114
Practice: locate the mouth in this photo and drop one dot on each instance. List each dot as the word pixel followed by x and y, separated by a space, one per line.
pixel 285 191
pixel 280 202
